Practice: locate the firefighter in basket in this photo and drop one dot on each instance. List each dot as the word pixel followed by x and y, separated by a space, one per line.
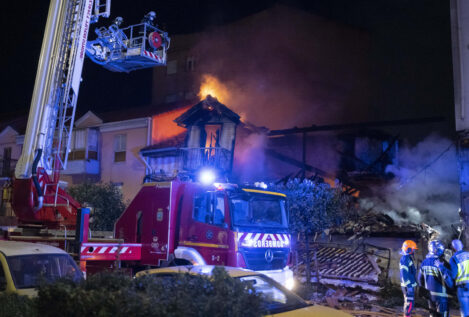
pixel 460 273
pixel 436 279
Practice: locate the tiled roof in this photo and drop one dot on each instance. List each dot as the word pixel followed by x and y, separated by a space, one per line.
pixel 174 142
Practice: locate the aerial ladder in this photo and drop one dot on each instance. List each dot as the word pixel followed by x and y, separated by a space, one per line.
pixel 38 199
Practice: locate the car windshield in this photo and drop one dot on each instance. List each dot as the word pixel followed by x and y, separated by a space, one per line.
pixel 259 210
pixel 29 270
pixel 276 298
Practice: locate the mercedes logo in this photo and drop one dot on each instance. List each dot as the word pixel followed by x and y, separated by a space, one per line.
pixel 269 255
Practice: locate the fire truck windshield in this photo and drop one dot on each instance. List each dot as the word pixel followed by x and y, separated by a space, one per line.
pixel 258 210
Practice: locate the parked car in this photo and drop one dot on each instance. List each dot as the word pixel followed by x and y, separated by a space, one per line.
pixel 24 265
pixel 278 300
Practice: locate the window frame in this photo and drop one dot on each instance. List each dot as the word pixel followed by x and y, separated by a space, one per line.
pixel 120 152
pixel 211 205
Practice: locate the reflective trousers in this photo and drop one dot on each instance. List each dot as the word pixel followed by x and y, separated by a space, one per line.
pixel 463 298
pixel 438 306
pixel 409 294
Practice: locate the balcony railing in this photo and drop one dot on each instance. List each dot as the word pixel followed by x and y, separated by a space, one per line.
pixel 7 167
pixel 216 157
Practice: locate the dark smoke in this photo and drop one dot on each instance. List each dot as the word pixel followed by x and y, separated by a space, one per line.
pixel 288 68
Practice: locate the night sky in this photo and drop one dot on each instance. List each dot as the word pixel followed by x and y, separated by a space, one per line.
pixel 410 46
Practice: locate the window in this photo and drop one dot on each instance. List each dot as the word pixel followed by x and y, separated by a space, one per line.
pixel 78 145
pixel 119 147
pixel 171 98
pixel 171 67
pixel 189 95
pixel 139 226
pixel 190 64
pixel 210 208
pixel 79 139
pixel 118 186
pixel 6 168
pixel 93 144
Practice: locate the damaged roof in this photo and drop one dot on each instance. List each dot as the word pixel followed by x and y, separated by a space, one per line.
pixel 175 142
pixel 207 110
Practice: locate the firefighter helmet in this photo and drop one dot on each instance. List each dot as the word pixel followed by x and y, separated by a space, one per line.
pixel 435 247
pixel 408 247
pixel 457 245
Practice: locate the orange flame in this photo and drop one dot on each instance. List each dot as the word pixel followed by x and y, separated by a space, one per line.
pixel 212 86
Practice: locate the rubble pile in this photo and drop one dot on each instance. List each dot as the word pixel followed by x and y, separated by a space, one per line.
pixel 373 223
pixel 340 267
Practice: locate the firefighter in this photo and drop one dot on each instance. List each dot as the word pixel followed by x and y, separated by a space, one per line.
pixel 460 273
pixel 435 278
pixel 118 21
pixel 408 272
pixel 149 18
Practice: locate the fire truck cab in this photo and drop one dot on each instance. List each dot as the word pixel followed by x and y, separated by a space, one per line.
pixel 221 224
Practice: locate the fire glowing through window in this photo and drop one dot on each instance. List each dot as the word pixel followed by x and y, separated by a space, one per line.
pixel 212 86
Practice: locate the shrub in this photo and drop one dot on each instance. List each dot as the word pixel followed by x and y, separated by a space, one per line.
pixel 315 206
pixel 106 200
pixel 13 305
pixel 113 294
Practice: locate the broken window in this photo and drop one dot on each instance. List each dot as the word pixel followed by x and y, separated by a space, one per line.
pixel 190 63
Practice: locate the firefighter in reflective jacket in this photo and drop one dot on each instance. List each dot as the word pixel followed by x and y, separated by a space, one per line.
pixel 460 273
pixel 408 272
pixel 435 278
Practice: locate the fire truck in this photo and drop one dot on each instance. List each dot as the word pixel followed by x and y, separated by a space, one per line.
pixel 169 222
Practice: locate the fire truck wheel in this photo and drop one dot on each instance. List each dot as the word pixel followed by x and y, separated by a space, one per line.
pixel 177 262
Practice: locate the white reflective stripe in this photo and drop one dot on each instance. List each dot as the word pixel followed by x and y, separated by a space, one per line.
pixel 279 238
pixel 82 249
pixel 113 250
pixel 248 236
pixel 405 283
pixel 439 294
pixel 123 250
pixel 287 238
pixel 430 270
pixel 256 237
pixel 403 267
pixel 103 249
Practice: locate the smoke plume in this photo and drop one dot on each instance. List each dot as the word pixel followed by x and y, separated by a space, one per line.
pixel 426 185
pixel 285 68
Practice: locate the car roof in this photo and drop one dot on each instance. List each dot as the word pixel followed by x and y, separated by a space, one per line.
pixel 198 269
pixel 14 248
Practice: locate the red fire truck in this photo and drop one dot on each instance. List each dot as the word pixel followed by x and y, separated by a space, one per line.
pixel 167 222
pixel 180 222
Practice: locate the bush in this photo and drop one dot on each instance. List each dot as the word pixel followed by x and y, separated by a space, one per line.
pixel 13 305
pixel 315 206
pixel 113 294
pixel 106 200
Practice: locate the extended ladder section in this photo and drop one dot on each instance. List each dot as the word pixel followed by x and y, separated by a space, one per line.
pixel 37 196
